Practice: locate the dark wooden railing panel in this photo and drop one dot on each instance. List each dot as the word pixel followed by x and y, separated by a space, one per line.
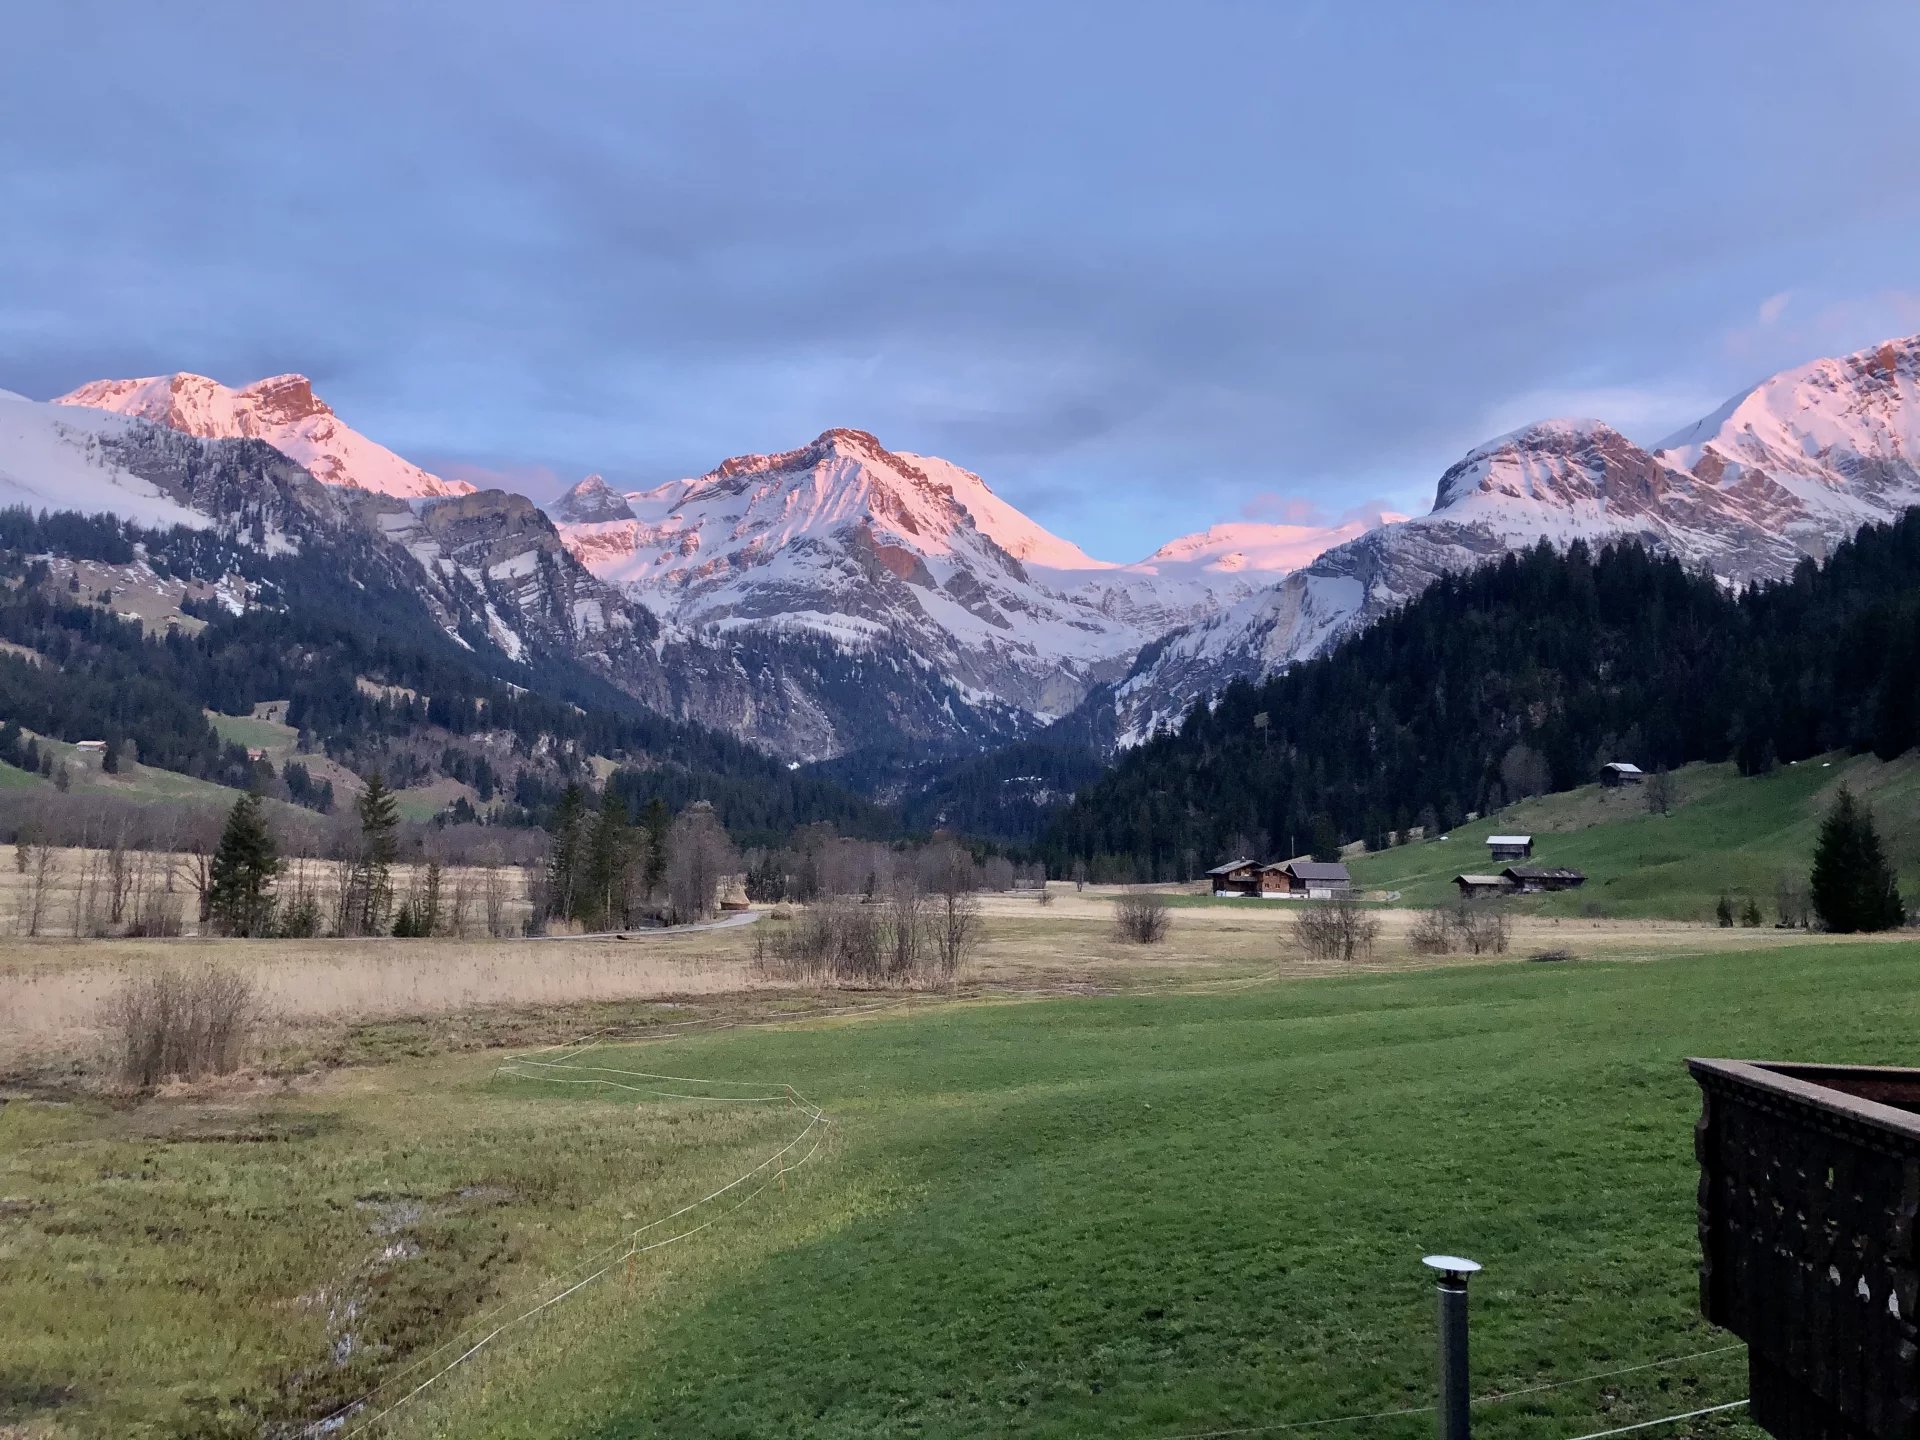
pixel 1808 1195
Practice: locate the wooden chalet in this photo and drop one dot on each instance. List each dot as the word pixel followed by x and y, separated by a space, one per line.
pixel 1532 879
pixel 1237 877
pixel 1510 847
pixel 1280 879
pixel 1616 773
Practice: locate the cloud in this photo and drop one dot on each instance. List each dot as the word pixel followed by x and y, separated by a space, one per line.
pixel 1283 510
pixel 1641 413
pixel 638 239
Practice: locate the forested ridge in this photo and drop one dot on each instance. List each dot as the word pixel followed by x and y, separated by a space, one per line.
pixel 319 622
pixel 1520 677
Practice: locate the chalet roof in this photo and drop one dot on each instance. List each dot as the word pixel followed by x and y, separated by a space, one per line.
pixel 1509 839
pixel 1311 870
pixel 1499 880
pixel 1541 872
pixel 1229 867
pixel 1623 767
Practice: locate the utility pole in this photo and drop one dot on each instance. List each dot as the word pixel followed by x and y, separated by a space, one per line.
pixel 1455 1396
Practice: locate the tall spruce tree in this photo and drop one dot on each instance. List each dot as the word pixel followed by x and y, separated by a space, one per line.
pixel 1852 885
pixel 240 880
pixel 657 824
pixel 566 861
pixel 371 882
pixel 603 901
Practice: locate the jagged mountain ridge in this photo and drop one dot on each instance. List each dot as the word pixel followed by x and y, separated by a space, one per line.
pixel 492 570
pixel 281 410
pixel 840 594
pixel 1783 471
pixel 849 540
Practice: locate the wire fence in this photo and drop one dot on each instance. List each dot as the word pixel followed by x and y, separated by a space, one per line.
pixel 560 1064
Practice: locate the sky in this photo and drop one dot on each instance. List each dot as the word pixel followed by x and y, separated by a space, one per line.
pixel 1143 267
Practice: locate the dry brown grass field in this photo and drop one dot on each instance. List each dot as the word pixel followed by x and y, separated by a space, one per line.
pixel 53 988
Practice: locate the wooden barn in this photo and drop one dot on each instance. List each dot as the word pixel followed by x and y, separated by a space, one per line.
pixel 1616 773
pixel 1314 879
pixel 1532 879
pixel 1482 887
pixel 1510 847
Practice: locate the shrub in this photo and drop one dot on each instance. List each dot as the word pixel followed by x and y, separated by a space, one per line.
pixel 902 941
pixel 1479 926
pixel 1141 918
pixel 1723 912
pixel 1432 933
pixel 1550 956
pixel 1338 929
pixel 1484 929
pixel 176 1022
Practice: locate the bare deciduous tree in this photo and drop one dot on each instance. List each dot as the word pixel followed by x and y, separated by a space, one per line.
pixel 1657 791
pixel 1340 929
pixel 699 856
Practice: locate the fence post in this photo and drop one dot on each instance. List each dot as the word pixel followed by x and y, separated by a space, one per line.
pixel 1455 1397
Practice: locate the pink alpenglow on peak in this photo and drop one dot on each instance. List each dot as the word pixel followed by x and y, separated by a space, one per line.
pixel 283 411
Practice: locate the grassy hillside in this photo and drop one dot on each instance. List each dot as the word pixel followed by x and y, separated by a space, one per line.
pixel 1727 833
pixel 1144 1217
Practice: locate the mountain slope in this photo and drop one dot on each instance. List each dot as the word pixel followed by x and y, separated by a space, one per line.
pixel 281 410
pixel 1785 471
pixel 279 589
pixel 1516 678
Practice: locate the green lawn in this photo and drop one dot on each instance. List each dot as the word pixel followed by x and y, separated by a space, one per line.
pixel 1149 1217
pixel 1136 1217
pixel 253 734
pixel 1728 834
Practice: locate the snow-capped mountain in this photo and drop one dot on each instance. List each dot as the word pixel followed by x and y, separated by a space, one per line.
pixel 850 541
pixel 1784 470
pixel 490 569
pixel 281 410
pixel 71 460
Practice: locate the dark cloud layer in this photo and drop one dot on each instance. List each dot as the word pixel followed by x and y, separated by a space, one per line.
pixel 1141 265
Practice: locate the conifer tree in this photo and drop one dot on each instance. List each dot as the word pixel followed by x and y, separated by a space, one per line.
pixel 566 861
pixel 657 824
pixel 371 882
pixel 1853 886
pixel 245 865
pixel 609 856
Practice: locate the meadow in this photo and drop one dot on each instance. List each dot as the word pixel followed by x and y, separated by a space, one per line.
pixel 1726 834
pixel 1140 1196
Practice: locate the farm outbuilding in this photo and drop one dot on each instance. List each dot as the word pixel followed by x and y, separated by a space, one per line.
pixel 1616 773
pixel 1532 879
pixel 1510 847
pixel 1315 879
pixel 1481 887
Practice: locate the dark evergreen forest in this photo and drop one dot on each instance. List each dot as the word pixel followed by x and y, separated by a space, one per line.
pixel 1517 678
